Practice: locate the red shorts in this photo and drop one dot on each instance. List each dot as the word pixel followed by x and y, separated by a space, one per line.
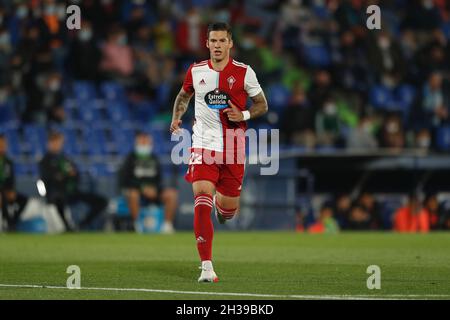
pixel 226 177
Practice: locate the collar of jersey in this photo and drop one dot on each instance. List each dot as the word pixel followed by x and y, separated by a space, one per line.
pixel 230 61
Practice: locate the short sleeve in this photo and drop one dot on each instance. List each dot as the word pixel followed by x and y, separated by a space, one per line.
pixel 251 84
pixel 187 84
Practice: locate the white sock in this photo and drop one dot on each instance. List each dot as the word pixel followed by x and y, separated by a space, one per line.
pixel 207 265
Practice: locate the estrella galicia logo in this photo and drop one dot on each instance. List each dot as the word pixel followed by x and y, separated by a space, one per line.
pixel 216 99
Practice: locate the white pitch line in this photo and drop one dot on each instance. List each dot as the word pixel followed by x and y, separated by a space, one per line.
pixel 241 294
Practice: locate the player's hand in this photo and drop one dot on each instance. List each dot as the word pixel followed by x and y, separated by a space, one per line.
pixel 175 126
pixel 233 113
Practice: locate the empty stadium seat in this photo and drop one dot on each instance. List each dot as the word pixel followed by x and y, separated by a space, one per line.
pixel 317 55
pixel 113 91
pixel 443 138
pixel 278 96
pixel 381 97
pixel 84 90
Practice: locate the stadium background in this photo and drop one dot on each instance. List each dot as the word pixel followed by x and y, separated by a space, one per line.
pixel 354 107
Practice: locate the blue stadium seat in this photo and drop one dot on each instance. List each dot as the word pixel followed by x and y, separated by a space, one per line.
pixel 113 91
pixel 381 97
pixel 317 55
pixel 443 138
pixel 405 95
pixel 278 96
pixel 117 111
pixel 84 90
pixel 7 113
pixel 14 143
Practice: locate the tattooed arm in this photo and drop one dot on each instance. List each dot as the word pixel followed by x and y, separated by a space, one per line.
pixel 258 108
pixel 179 108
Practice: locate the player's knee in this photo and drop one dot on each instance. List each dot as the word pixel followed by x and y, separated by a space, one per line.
pixel 226 212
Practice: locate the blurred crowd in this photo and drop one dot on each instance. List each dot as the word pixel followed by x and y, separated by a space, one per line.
pixel 330 81
pixel 419 213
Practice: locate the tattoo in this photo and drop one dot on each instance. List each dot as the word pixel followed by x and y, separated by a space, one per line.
pixel 181 104
pixel 259 106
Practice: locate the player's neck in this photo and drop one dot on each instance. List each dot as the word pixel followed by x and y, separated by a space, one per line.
pixel 220 65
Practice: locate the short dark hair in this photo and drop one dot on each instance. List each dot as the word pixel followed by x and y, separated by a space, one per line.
pixel 219 26
pixel 54 135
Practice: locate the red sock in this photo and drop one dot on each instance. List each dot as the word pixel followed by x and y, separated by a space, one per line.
pixel 203 226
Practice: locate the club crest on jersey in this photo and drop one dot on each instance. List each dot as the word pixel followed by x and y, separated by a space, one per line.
pixel 231 80
pixel 216 99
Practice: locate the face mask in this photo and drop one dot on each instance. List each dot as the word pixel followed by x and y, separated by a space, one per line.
pixel 392 127
pixel 384 43
pixel 3 96
pixel 50 10
pixel 61 12
pixel 85 35
pixel 4 39
pixel 428 4
pixel 330 109
pixel 143 150
pixel 424 143
pixel 22 12
pixel 122 40
pixel 54 85
pixel 367 127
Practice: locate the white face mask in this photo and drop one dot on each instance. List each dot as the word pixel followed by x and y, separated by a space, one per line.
pixel 428 4
pixel 122 40
pixel 424 143
pixel 143 150
pixel 384 43
pixel 54 85
pixel 85 35
pixel 392 127
pixel 330 109
pixel 22 12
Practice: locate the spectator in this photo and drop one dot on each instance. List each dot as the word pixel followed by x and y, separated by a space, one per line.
pixel 434 210
pixel 326 222
pixel 61 179
pixel 359 218
pixel 423 139
pixel 368 202
pixel 11 202
pixel 297 121
pixel 328 124
pixel 140 178
pixel 342 206
pixel 84 55
pixel 117 57
pixel 435 100
pixel 411 217
pixel 362 137
pixel 391 135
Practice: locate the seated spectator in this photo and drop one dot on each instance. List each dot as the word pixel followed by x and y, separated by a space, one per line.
pixel 411 217
pixel 362 137
pixel 328 124
pixel 435 210
pixel 84 55
pixel 392 135
pixel 342 206
pixel 423 139
pixel 326 223
pixel 359 218
pixel 11 202
pixel 140 178
pixel 61 179
pixel 297 121
pixel 117 56
pixel 368 202
pixel 435 100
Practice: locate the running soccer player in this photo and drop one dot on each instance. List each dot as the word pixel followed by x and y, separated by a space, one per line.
pixel 216 168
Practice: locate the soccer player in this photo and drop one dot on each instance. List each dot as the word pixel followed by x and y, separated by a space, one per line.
pixel 221 86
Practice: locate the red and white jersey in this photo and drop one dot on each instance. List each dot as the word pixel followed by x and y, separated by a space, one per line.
pixel 212 90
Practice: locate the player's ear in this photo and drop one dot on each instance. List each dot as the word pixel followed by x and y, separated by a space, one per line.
pixel 207 43
pixel 231 43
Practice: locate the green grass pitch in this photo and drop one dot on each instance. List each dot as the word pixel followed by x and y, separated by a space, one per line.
pixel 284 264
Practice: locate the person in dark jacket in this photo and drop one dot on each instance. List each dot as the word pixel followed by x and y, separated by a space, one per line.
pixel 61 179
pixel 11 202
pixel 140 178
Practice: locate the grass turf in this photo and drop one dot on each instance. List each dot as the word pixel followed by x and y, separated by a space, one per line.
pixel 279 263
